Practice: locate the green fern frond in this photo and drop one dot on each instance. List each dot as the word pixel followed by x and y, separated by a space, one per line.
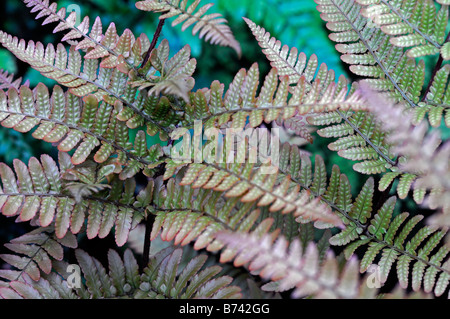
pixel 164 277
pixel 370 54
pixel 417 25
pixel 387 241
pixel 212 26
pixel 434 114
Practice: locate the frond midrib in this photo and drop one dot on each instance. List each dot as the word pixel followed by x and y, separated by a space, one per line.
pixel 61 195
pixel 83 130
pixel 100 87
pixel 412 26
pixel 375 56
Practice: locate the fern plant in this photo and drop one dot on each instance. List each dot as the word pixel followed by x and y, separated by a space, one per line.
pixel 233 197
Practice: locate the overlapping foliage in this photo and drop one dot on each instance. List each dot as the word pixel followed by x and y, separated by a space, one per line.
pixel 279 217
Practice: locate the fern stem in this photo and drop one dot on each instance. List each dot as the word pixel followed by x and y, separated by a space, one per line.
pixel 31 258
pixel 364 227
pixel 147 242
pixel 154 41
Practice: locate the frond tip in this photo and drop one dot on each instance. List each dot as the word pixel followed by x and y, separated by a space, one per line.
pixel 211 26
pixel 291 267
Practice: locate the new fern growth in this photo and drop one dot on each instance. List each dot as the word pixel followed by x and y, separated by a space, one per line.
pixel 232 197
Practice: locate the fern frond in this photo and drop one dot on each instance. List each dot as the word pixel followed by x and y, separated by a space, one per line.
pixel 295 65
pixel 290 266
pixel 423 155
pixel 75 124
pixel 82 79
pixel 434 114
pixel 124 52
pixel 35 252
pixel 277 100
pixel 437 103
pixel 417 25
pixel 164 277
pixel 387 241
pixel 370 54
pixel 186 215
pixel 276 191
pixel 358 138
pixel 212 27
pixel 7 81
pixel 65 196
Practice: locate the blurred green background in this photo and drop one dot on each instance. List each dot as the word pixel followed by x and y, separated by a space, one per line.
pixel 294 22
